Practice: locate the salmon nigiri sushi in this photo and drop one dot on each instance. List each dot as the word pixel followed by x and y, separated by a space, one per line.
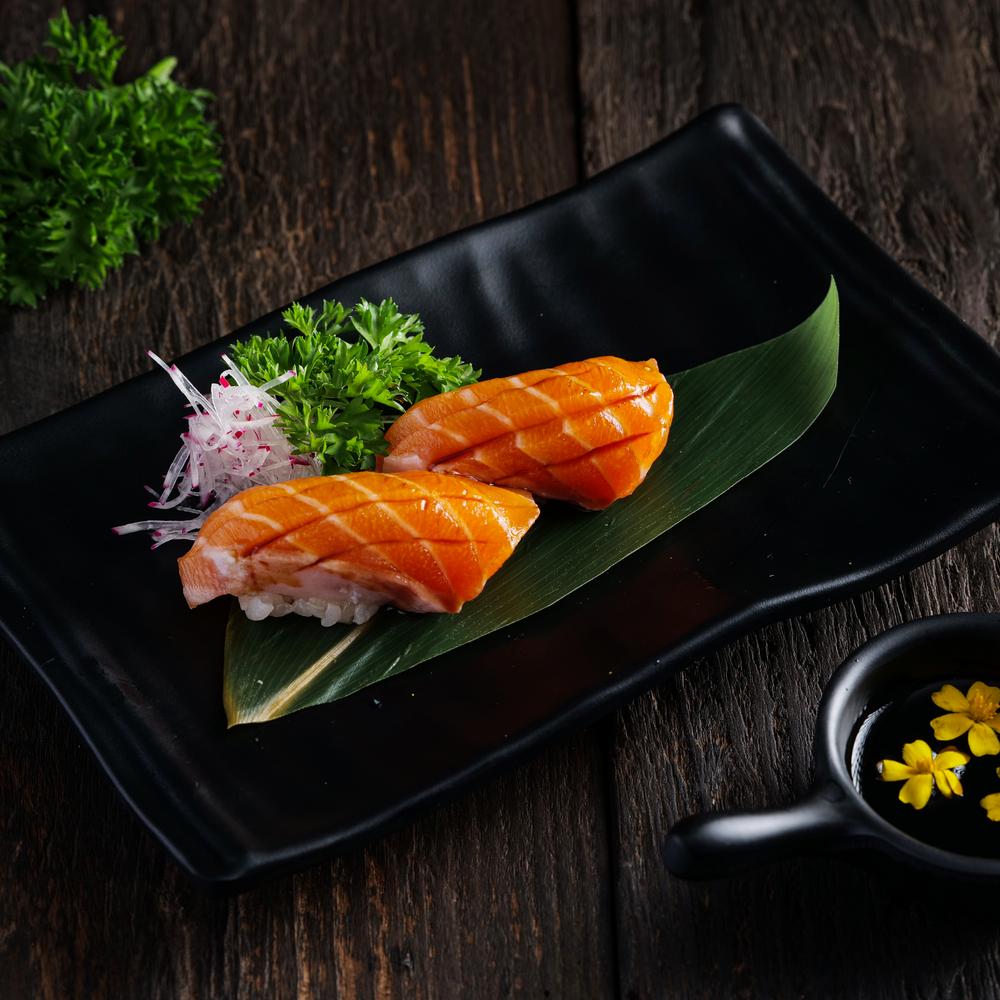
pixel 339 547
pixel 586 432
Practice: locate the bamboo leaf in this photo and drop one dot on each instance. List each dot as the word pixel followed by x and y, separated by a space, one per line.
pixel 734 414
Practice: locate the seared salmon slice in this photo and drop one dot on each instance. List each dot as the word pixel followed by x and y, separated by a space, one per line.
pixel 586 432
pixel 340 546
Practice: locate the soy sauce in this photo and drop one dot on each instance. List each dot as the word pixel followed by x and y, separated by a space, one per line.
pixel 958 824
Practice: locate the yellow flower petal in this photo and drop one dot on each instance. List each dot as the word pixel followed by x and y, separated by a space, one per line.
pixel 982 740
pixel 917 791
pixel 892 770
pixel 916 752
pixel 991 695
pixel 950 699
pixel 950 758
pixel 942 783
pixel 994 723
pixel 994 814
pixel 991 803
pixel 953 783
pixel 950 727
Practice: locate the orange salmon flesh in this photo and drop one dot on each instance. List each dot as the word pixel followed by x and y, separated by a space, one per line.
pixel 420 540
pixel 586 432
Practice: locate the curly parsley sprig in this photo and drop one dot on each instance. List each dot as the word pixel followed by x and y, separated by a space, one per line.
pixel 346 392
pixel 89 168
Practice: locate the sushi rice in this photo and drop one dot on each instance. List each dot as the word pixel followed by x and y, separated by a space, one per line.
pixel 350 610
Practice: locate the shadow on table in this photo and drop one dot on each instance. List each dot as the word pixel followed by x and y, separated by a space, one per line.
pixel 848 926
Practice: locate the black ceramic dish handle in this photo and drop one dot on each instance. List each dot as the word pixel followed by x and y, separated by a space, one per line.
pixel 717 845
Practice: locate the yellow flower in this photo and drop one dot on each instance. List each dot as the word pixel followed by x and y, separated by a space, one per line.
pixel 974 712
pixel 922 770
pixel 991 803
pixel 992 806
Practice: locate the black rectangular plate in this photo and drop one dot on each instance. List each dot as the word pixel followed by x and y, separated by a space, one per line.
pixel 710 241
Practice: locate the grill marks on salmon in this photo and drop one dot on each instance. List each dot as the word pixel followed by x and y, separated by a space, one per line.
pixel 420 540
pixel 586 432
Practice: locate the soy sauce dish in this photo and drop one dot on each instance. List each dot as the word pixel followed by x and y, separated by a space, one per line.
pixel 928 805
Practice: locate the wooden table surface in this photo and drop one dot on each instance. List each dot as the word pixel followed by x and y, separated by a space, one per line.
pixel 356 130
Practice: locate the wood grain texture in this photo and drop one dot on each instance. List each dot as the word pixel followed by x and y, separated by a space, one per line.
pixel 352 131
pixel 892 107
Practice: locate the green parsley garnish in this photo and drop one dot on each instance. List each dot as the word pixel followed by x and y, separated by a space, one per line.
pixel 345 393
pixel 88 168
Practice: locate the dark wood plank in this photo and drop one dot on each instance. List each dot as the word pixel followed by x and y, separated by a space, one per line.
pixel 352 131
pixel 891 106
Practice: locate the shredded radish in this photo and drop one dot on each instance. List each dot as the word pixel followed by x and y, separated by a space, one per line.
pixel 233 441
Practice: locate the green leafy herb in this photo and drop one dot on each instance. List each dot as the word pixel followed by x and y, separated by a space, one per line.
pixel 89 168
pixel 345 393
